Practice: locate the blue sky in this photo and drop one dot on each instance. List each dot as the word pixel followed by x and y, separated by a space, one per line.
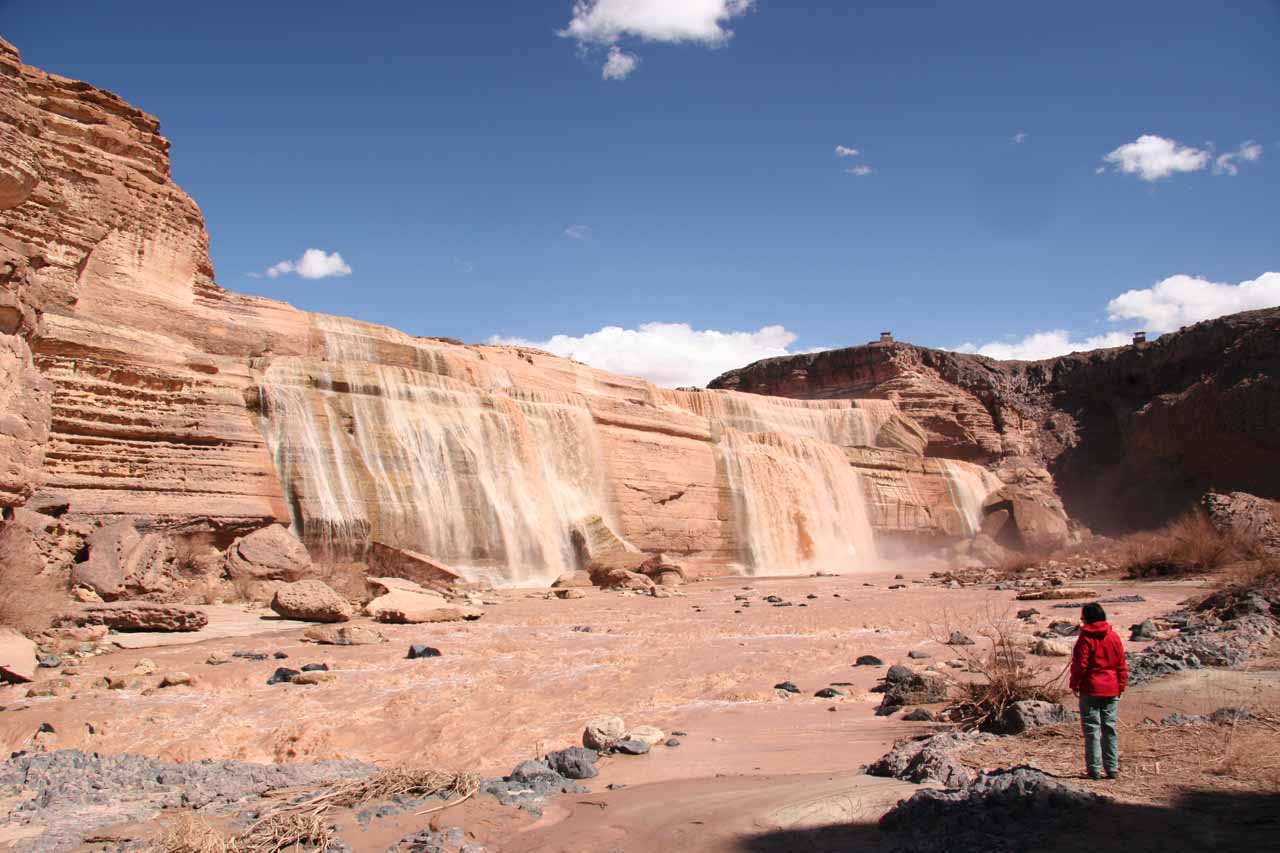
pixel 480 176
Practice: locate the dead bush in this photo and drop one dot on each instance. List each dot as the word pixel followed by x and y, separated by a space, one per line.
pixel 1189 544
pixel 29 599
pixel 1001 677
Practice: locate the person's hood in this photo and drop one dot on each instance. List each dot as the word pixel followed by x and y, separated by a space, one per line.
pixel 1096 629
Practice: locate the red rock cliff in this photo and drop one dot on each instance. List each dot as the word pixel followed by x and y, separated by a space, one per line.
pixel 1131 435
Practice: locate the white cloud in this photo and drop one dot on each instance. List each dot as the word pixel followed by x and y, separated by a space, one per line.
pixel 1226 164
pixel 314 263
pixel 670 354
pixel 845 151
pixel 1019 138
pixel 1049 344
pixel 1180 300
pixel 1176 301
pixel 1152 158
pixel 604 23
pixel 860 170
pixel 619 65
pixel 578 232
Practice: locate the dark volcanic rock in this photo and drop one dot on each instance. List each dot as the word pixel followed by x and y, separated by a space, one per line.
pixel 1007 810
pixel 930 758
pixel 576 762
pixel 868 660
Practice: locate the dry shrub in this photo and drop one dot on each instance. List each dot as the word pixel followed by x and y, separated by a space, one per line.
pixel 1186 545
pixel 1261 576
pixel 188 833
pixel 1002 678
pixel 29 600
pixel 1252 756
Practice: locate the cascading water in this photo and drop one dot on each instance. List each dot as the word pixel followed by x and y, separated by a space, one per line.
pixel 969 486
pixel 800 504
pixel 490 481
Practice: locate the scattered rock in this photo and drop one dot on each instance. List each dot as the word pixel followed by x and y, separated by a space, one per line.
pixel 829 693
pixel 631 747
pixel 959 638
pixel 1054 594
pixel 672 742
pixel 344 635
pixel 1146 630
pixel 254 656
pixel 603 732
pixel 52 687
pixel 313 677
pixel 283 675
pixel 868 660
pixel 418 650
pixel 176 679
pixel 646 734
pixel 145 666
pixel 931 758
pixel 571 580
pixel 1028 614
pixel 1063 628
pixel 576 762
pixel 1048 648
pixel 572 592
pixel 903 686
pixel 315 667
pixel 919 715
pixel 217 659
pixel 915 654
pixel 786 687
pixel 1003 811
pixel 1031 714
pixel 269 554
pixel 48 661
pixel 311 601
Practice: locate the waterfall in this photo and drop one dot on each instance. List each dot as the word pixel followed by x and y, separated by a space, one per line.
pixel 969 486
pixel 490 481
pixel 800 504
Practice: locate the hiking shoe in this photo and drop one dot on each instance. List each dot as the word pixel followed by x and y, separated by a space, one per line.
pixel 1113 774
pixel 1095 775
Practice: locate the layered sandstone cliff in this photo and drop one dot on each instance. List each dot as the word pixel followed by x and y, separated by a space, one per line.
pixel 183 407
pixel 1131 435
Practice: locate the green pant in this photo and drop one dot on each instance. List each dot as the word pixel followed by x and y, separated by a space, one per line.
pixel 1101 742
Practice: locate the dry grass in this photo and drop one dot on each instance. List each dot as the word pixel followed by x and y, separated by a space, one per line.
pixel 1189 544
pixel 306 825
pixel 1000 677
pixel 29 600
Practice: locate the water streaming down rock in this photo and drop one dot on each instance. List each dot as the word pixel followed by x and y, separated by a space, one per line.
pixel 800 504
pixel 969 485
pixel 491 480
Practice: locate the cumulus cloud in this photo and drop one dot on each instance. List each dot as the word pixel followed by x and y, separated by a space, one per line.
pixel 1152 158
pixel 670 354
pixel 1227 164
pixel 578 232
pixel 1171 303
pixel 846 151
pixel 1019 138
pixel 1181 300
pixel 619 65
pixel 314 263
pixel 860 171
pixel 604 23
pixel 1038 345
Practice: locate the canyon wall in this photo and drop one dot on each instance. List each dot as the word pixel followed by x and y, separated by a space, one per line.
pixel 145 392
pixel 1131 436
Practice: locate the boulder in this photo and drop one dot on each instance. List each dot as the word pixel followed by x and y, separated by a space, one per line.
pixel 576 762
pixel 393 561
pixel 18 660
pixel 311 601
pixel 1031 714
pixel 421 650
pixel 1049 648
pixel 622 579
pixel 646 734
pixel 269 554
pixel 631 747
pixel 1147 630
pixel 343 635
pixel 570 580
pixel 140 616
pixel 401 607
pixel 176 679
pixel 603 732
pixel 868 660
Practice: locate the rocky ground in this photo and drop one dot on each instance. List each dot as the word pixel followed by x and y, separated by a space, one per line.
pixel 740 764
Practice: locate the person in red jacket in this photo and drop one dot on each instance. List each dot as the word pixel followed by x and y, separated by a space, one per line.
pixel 1099 675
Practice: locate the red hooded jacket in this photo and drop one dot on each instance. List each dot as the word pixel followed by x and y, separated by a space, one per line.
pixel 1098 667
